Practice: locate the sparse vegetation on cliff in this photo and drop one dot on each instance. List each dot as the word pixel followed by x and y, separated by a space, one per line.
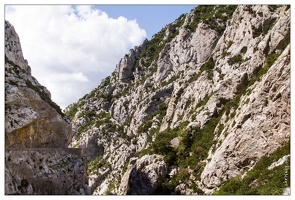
pixel 202 97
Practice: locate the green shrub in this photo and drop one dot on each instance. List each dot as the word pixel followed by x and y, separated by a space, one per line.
pixel 229 44
pixel 260 180
pixel 250 10
pixel 230 187
pixel 95 164
pixel 203 101
pixel 172 79
pixel 273 7
pixel 214 16
pixel 225 53
pixel 244 50
pixel 263 29
pixel 269 61
pixel 154 47
pixel 162 109
pixel 195 77
pixel 72 111
pixel 90 113
pixel 144 127
pixel 235 59
pixel 202 142
pixel 106 82
pixel 174 27
pixel 208 67
pixel 106 96
pixel 154 70
pixel 83 129
pixel 169 185
pixel 162 146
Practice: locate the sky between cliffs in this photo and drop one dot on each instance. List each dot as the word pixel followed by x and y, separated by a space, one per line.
pixel 72 48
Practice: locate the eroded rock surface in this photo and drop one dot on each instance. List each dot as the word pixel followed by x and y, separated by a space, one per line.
pixel 38 171
pixel 227 77
pixel 144 175
pixel 31 118
pixel 37 134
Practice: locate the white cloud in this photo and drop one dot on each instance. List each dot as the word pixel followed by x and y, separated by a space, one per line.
pixel 70 49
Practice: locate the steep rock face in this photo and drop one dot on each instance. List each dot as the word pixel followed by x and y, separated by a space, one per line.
pixel 45 171
pixel 31 118
pixel 126 65
pixel 13 50
pixel 220 88
pixel 144 175
pixel 260 126
pixel 37 134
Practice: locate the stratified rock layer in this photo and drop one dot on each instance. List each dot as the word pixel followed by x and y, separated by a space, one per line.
pixel 37 134
pixel 31 118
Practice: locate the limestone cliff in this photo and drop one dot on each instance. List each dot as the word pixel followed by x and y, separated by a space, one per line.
pixel 199 105
pixel 31 118
pixel 45 171
pixel 37 133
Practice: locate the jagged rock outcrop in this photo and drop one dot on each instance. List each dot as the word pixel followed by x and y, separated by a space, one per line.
pixel 37 134
pixel 216 80
pixel 260 126
pixel 38 171
pixel 144 175
pixel 126 65
pixel 31 118
pixel 13 50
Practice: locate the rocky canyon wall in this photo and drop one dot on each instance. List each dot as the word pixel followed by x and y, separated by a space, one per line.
pixel 37 133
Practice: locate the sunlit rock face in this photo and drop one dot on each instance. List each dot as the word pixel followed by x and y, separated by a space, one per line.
pixel 31 118
pixel 37 158
pixel 226 77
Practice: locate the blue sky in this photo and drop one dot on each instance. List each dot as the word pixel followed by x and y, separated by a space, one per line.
pixel 71 48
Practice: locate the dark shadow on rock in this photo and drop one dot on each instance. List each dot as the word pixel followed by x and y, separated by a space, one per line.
pixel 139 183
